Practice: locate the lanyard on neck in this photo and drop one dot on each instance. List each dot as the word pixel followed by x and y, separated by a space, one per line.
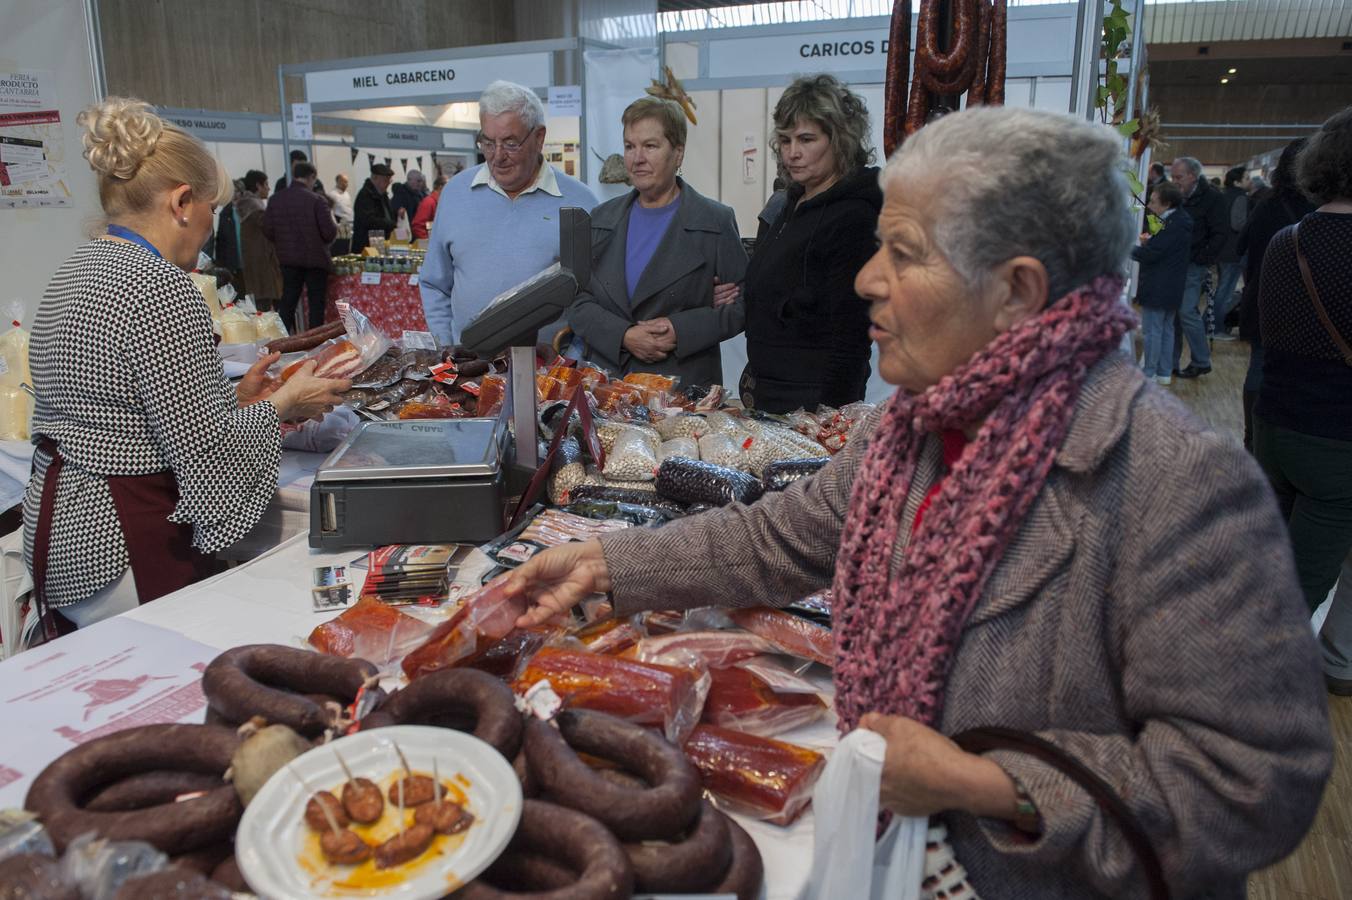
pixel 128 235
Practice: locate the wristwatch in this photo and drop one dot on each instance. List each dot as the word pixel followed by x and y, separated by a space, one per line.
pixel 1026 817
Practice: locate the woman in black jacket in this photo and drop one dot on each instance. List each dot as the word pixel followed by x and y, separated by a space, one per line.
pixel 1285 205
pixel 807 340
pixel 1164 269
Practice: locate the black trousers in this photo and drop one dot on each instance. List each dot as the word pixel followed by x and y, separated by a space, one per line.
pixel 315 282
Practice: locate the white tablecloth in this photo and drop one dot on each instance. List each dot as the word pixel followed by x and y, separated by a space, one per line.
pixel 267 600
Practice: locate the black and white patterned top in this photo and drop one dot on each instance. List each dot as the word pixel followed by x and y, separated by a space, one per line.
pixel 128 383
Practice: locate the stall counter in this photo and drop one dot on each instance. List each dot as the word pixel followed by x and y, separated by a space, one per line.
pixel 267 600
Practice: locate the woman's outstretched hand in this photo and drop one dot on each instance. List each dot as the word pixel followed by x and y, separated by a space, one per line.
pixel 555 581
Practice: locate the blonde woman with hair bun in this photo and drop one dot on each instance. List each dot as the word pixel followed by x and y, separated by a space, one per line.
pixel 148 459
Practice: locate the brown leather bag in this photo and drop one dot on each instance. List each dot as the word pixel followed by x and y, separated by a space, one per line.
pixel 1319 310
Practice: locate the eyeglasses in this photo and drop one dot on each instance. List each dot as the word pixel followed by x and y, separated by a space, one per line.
pixel 488 148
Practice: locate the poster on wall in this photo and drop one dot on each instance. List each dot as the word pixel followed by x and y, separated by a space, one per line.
pixel 32 143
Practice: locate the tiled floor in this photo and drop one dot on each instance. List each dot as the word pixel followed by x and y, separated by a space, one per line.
pixel 1321 868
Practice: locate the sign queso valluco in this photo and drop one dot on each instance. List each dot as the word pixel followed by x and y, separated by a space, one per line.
pixel 212 127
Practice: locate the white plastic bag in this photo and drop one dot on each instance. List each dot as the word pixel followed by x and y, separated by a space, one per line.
pixel 846 861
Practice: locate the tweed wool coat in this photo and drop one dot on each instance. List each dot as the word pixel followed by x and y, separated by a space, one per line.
pixel 1146 618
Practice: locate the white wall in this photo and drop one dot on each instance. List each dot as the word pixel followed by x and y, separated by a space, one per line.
pixel 48 35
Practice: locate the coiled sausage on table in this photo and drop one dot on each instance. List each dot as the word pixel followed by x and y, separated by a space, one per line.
pixel 664 809
pixel 465 699
pixel 271 680
pixel 688 866
pixel 572 842
pixel 57 795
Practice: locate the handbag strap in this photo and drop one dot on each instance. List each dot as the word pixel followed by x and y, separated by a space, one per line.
pixel 983 740
pixel 1319 310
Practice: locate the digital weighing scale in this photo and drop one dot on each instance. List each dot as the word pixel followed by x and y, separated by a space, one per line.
pixel 437 481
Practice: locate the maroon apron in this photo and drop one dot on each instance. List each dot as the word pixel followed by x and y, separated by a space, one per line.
pixel 160 553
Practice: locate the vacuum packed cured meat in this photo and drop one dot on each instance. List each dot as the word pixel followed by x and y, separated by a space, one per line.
pixel 791 634
pixel 649 694
pixel 370 630
pixel 742 701
pixel 757 776
pixel 482 621
pixel 716 648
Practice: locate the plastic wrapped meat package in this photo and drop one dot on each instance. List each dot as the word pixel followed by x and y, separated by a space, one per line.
pixel 662 696
pixel 743 701
pixel 791 634
pixel 507 657
pixel 370 630
pixel 756 776
pixel 716 648
pixel 611 636
pixel 481 622
pixel 346 356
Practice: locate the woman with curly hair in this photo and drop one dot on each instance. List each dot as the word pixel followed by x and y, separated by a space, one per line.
pixel 807 339
pixel 1303 420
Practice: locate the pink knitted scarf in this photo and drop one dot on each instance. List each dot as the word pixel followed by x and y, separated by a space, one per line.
pixel 896 633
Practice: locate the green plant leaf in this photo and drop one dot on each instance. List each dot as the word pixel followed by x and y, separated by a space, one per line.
pixel 1153 224
pixel 1102 95
pixel 1116 84
pixel 1135 181
pixel 1129 127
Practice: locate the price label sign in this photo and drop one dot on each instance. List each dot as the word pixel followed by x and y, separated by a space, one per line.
pixel 370 277
pixel 413 280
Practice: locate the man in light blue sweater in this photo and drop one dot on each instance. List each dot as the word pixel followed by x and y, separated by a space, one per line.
pixel 496 224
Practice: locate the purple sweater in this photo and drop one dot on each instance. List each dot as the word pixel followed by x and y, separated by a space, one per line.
pixel 299 224
pixel 647 227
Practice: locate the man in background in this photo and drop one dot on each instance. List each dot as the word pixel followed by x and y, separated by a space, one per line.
pixel 341 199
pixel 1210 229
pixel 497 224
pixel 371 211
pixel 299 224
pixel 1231 266
pixel 409 194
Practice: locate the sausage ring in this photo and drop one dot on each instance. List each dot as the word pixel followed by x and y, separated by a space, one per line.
pixel 267 680
pixel 464 699
pixel 747 870
pixel 173 828
pixel 521 870
pixel 689 866
pixel 229 875
pixel 659 812
pixel 149 789
pixel 573 841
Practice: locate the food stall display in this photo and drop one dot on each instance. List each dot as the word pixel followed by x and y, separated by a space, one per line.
pixel 635 748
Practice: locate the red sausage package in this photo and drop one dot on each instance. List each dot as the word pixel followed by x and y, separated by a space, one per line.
pixel 755 776
pixel 370 630
pixel 484 620
pixel 740 700
pixel 649 694
pixel 790 634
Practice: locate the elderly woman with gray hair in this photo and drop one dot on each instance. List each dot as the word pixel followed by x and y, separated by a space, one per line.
pixel 1031 535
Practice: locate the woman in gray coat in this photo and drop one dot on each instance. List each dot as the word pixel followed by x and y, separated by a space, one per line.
pixel 666 263
pixel 1029 534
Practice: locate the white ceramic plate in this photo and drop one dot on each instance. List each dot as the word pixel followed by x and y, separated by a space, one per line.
pixel 275 847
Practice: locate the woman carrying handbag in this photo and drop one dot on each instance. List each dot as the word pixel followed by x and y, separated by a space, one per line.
pixel 1303 419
